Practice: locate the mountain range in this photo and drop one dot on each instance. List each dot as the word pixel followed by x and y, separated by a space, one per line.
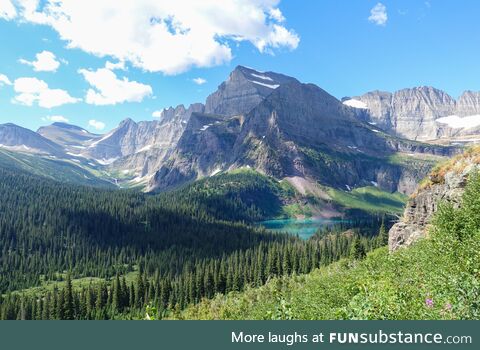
pixel 277 126
pixel 422 113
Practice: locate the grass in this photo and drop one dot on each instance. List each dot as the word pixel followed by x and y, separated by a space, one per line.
pixel 77 284
pixel 370 199
pixel 436 278
pixel 456 164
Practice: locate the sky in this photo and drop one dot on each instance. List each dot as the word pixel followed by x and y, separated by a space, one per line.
pixel 94 63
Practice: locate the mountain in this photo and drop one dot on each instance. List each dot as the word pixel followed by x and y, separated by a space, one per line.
pixel 64 171
pixel 298 132
pixel 72 138
pixel 16 138
pixel 268 122
pixel 244 89
pixel 421 113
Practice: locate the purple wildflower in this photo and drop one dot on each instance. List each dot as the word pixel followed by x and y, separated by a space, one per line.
pixel 448 306
pixel 429 302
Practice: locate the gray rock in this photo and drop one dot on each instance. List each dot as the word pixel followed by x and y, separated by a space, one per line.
pixel 421 207
pixel 413 113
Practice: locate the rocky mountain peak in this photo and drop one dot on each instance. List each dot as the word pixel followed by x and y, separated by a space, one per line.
pixel 421 113
pixel 244 89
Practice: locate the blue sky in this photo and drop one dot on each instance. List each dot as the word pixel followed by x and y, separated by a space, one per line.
pixel 331 43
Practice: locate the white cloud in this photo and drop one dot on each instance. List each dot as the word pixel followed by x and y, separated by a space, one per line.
pixel 31 90
pixel 378 14
pixel 4 80
pixel 164 36
pixel 276 14
pixel 45 62
pixel 109 90
pixel 157 114
pixel 7 10
pixel 199 81
pixel 112 66
pixel 96 124
pixel 56 118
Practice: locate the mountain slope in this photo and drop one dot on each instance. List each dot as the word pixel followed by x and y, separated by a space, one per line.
pixel 59 170
pixel 436 278
pixel 422 113
pixel 72 138
pixel 16 138
pixel 244 89
pixel 298 130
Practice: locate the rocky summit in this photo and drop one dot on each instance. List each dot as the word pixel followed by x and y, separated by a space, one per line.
pixel 422 113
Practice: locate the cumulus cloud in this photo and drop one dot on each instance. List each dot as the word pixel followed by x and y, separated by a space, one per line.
pixel 96 124
pixel 4 80
pixel 33 90
pixel 112 66
pixel 157 114
pixel 378 15
pixel 45 62
pixel 107 89
pixel 164 36
pixel 56 118
pixel 199 81
pixel 7 10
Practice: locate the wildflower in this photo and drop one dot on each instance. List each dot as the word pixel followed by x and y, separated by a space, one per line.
pixel 429 302
pixel 448 307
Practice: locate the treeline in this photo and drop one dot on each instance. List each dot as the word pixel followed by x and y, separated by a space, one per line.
pixel 116 298
pixel 179 251
pixel 47 228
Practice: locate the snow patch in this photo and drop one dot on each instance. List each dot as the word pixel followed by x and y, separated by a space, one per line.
pixel 266 85
pixel 264 77
pixel 456 122
pixel 374 183
pixel 355 104
pixel 348 187
pixel 102 139
pixel 205 127
pixel 146 148
pixel 375 130
pixel 216 171
pixel 106 161
pixel 75 154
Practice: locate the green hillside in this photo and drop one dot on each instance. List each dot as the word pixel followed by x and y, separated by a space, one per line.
pixel 437 278
pixel 59 170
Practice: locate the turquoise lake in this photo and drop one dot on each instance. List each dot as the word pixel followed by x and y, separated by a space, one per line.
pixel 304 228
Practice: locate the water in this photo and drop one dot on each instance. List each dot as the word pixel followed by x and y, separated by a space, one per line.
pixel 304 228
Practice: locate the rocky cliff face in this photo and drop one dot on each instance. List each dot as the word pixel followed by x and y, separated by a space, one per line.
pixel 421 113
pixel 244 89
pixel 444 185
pixel 298 130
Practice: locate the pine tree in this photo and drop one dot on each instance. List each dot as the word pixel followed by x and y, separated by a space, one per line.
pixel 68 308
pixel 382 235
pixel 357 251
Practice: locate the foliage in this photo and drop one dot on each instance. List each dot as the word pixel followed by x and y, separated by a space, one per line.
pixel 370 199
pixel 86 253
pixel 437 278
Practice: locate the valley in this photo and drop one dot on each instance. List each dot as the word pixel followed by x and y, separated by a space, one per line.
pixel 272 187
